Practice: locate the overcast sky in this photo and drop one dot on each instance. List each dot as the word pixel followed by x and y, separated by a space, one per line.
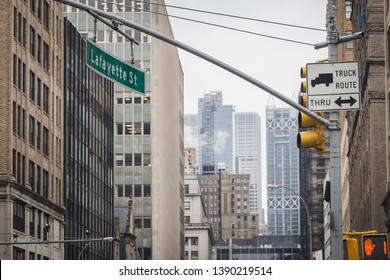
pixel 273 62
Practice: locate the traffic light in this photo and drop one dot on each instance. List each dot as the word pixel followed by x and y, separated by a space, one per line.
pixel 313 138
pixel 375 247
pixel 351 249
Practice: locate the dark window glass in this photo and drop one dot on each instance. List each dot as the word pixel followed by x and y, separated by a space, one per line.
pixel 137 159
pixel 19 216
pixel 32 131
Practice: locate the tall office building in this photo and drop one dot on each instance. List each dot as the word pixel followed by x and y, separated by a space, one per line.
pixel 148 129
pixel 191 130
pixel 88 153
pixel 31 90
pixel 248 155
pixel 215 134
pixel 282 169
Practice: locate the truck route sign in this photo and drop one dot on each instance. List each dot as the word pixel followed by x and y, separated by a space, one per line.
pixel 333 86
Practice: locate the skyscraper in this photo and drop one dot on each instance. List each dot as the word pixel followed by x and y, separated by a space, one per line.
pixel 282 170
pixel 149 137
pixel 215 134
pixel 248 155
pixel 88 153
pixel 31 91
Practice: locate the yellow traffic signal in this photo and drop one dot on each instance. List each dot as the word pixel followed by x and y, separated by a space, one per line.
pixel 375 247
pixel 351 248
pixel 303 83
pixel 311 138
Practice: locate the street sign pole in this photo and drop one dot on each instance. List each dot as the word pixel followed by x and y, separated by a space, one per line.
pixel 336 234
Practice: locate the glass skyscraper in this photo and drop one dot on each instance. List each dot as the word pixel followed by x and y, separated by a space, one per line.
pixel 215 134
pixel 89 144
pixel 283 170
pixel 248 155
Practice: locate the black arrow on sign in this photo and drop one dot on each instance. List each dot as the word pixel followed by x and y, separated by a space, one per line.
pixel 351 101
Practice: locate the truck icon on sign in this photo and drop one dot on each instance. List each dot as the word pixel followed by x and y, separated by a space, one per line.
pixel 325 78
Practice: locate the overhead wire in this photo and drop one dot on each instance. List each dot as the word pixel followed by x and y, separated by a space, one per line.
pixel 237 17
pixel 219 25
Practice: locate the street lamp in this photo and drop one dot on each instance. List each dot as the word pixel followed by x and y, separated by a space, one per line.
pixel 86 245
pixel 307 211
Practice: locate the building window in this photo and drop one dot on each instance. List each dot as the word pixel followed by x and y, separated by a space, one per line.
pixel 31 174
pixel 146 128
pixel 45 139
pixel 137 159
pixel 128 159
pixel 24 35
pixel 137 191
pixel 19 216
pixel 119 191
pixel 32 6
pixel 119 159
pixel 32 41
pixel 46 56
pixel 119 129
pixel 194 240
pixel 128 128
pixel 18 253
pixel 348 9
pixel 46 14
pixel 38 190
pixel 147 191
pixel 32 221
pixel 15 70
pixel 45 183
pixel 194 255
pixel 147 223
pixel 14 162
pixel 32 131
pixel 38 136
pixel 187 205
pixel 39 49
pixel 39 92
pixel 32 86
pixel 147 159
pixel 46 227
pixel 128 191
pixel 137 223
pixel 45 98
pixel 24 78
pixel 39 10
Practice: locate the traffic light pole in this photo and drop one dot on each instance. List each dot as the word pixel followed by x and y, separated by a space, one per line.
pixel 336 234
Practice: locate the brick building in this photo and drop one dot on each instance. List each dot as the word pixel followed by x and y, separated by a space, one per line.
pixel 31 128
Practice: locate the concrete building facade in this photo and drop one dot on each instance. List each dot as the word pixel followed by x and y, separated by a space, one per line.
pixel 367 127
pixel 198 233
pixel 31 91
pixel 237 219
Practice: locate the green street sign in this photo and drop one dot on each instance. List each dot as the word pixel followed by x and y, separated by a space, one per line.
pixel 115 69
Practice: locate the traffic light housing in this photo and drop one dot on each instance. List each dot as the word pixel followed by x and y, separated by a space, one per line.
pixel 351 249
pixel 313 138
pixel 375 247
